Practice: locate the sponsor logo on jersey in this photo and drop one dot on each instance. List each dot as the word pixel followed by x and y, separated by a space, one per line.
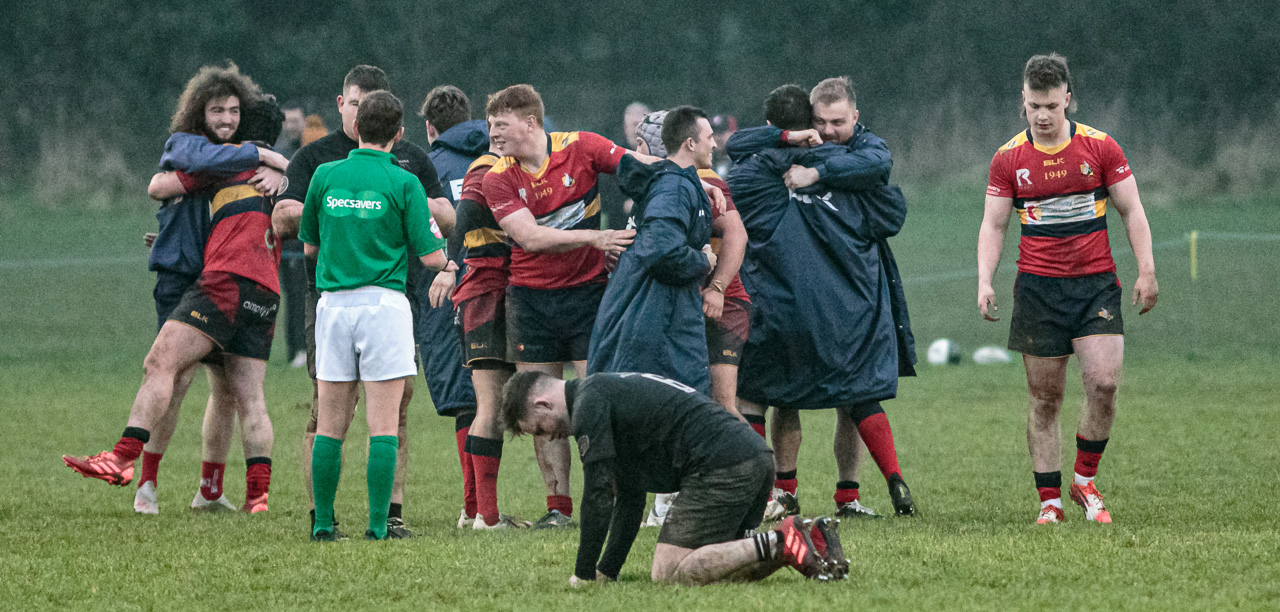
pixel 365 204
pixel 1023 174
pixel 1122 169
pixel 567 180
pixel 1085 169
pixel 524 195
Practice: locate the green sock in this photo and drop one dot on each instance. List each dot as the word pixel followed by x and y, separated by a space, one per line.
pixel 326 467
pixel 381 475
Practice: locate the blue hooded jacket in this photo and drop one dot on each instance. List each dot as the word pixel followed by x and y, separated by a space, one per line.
pixel 829 326
pixel 650 318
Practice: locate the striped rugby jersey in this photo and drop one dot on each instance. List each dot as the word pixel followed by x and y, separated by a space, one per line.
pixel 562 194
pixel 1060 195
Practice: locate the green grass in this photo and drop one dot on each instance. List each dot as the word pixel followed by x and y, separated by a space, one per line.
pixel 1190 477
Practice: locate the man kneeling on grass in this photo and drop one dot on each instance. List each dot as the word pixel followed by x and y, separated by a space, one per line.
pixel 641 433
pixel 360 215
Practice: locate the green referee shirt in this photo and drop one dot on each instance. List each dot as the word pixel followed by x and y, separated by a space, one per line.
pixel 362 213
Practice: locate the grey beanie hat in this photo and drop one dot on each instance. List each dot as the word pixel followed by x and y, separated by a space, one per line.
pixel 650 131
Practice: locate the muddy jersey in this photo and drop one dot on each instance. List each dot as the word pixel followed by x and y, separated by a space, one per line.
pixel 1060 195
pixel 562 194
pixel 488 256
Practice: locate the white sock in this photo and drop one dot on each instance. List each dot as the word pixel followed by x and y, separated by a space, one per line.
pixel 1082 481
pixel 1055 502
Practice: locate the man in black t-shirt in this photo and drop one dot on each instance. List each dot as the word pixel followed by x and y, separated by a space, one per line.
pixel 360 81
pixel 640 433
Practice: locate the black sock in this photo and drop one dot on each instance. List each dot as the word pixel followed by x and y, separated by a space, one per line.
pixel 394 512
pixel 785 475
pixel 138 433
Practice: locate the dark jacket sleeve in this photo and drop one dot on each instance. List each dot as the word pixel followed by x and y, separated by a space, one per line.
pixel 194 154
pixel 865 166
pixel 661 245
pixel 634 176
pixel 884 210
pixel 747 142
pixel 628 512
pixel 597 506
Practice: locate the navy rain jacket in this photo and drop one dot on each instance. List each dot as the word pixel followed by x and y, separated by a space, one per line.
pixel 650 318
pixel 829 325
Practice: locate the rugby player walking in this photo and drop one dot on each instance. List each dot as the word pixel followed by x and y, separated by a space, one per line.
pixel 1061 177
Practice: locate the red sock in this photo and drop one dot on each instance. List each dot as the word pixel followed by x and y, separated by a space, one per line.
pixel 878 436
pixel 846 492
pixel 211 479
pixel 1048 493
pixel 257 478
pixel 563 503
pixel 150 468
pixel 787 484
pixel 468 472
pixel 756 422
pixel 1088 454
pixel 486 455
pixel 128 449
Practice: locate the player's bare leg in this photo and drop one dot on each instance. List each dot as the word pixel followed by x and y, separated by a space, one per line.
pixel 246 377
pixel 1046 378
pixel 848 450
pixel 176 348
pixel 735 561
pixel 554 455
pixel 215 434
pixel 786 435
pixel 145 500
pixel 1101 358
pixel 724 385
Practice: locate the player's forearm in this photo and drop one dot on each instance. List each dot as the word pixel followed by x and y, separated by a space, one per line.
pixel 733 248
pixel 857 170
pixel 551 240
pixel 442 211
pixel 1139 232
pixel 165 185
pixel 628 512
pixel 195 154
pixel 745 143
pixel 990 243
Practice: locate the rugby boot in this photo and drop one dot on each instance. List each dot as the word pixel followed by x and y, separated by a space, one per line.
pixel 200 504
pixel 103 466
pixel 798 550
pixel 826 538
pixel 396 529
pixel 901 496
pixel 324 536
pixel 505 521
pixel 781 505
pixel 1049 515
pixel 464 521
pixel 144 501
pixel 853 509
pixel 337 533
pixel 554 519
pixel 255 505
pixel 1090 499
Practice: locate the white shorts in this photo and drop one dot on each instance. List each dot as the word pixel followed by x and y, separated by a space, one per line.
pixel 364 334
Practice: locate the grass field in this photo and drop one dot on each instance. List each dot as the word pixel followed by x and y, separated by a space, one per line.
pixel 1190 476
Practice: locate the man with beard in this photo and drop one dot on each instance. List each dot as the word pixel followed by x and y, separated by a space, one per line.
pixel 829 204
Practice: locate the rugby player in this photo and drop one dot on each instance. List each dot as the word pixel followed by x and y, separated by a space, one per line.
pixel 724 300
pixel 1061 177
pixel 544 195
pixel 359 217
pixel 642 432
pixel 358 82
pixel 455 141
pixel 226 318
pixel 657 283
pixel 480 303
pixel 854 370
pixel 177 250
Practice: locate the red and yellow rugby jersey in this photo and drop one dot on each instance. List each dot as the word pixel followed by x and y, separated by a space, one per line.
pixel 240 240
pixel 562 194
pixel 488 256
pixel 1060 194
pixel 735 288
